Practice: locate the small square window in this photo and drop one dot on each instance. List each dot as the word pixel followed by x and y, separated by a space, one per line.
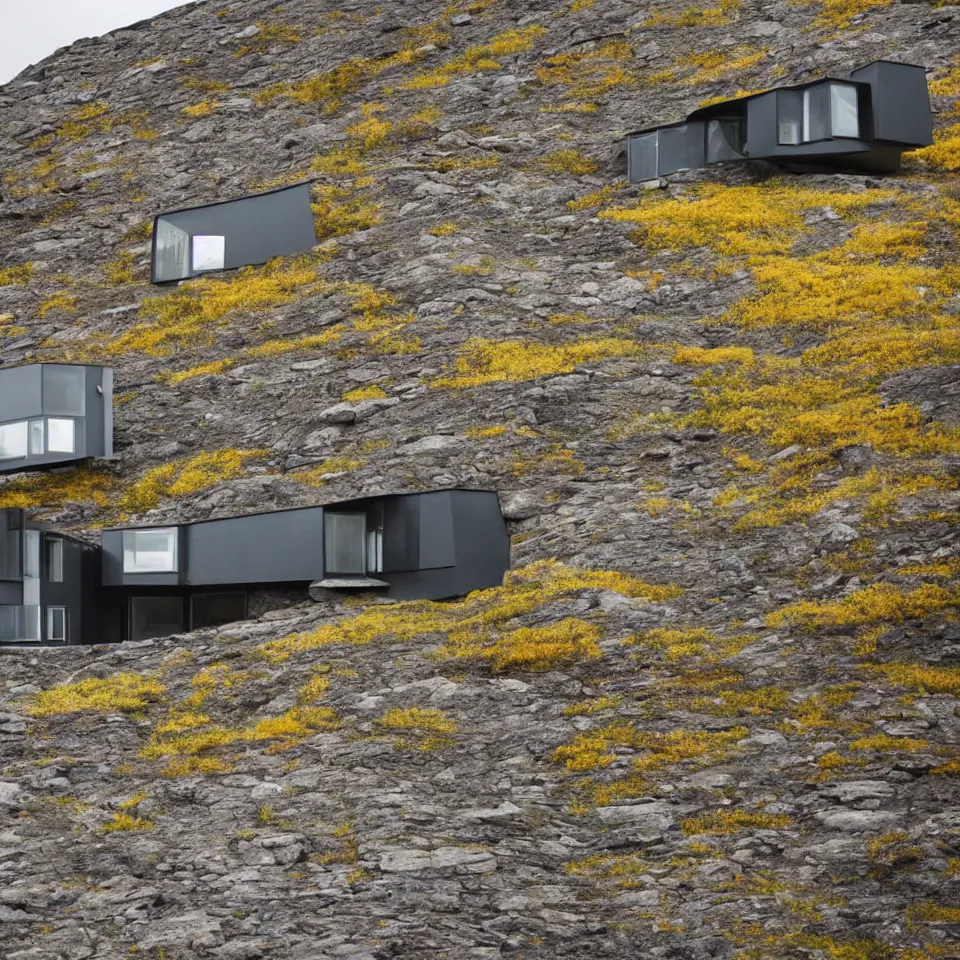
pixel 209 252
pixel 57 624
pixel 150 551
pixel 54 560
pixel 37 432
pixel 13 440
pixel 61 436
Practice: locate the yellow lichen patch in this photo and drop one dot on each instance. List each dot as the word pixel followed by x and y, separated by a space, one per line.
pixel 55 489
pixel 492 361
pixel 484 433
pixel 839 14
pixel 199 85
pixel 568 161
pixel 587 708
pixel 184 477
pixel 203 370
pixel 444 229
pixel 373 392
pixel 556 458
pixel 295 724
pixel 944 153
pixel 922 678
pixel 269 35
pixel 124 822
pixel 477 58
pixel 121 693
pixel 421 719
pixel 372 129
pixel 339 162
pixel 530 648
pixel 875 604
pixel 313 689
pixel 585 76
pixel 719 822
pixel 61 300
pixel 202 109
pixel 695 16
pixel 278 348
pixel 338 211
pixel 471 623
pixel 753 220
pixel 16 276
pixel 700 356
pixel 712 65
pixel 676 644
pixel 883 743
pixel 317 476
pixel 189 315
pixel 120 270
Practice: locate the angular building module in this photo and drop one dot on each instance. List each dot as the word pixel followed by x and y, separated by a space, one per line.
pixel 163 580
pixel 232 233
pixel 864 121
pixel 53 414
pixel 49 584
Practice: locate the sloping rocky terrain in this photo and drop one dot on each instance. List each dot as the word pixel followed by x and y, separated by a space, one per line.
pixel 713 711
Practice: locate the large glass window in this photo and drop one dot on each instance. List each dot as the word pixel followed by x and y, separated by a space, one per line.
pixel 19 623
pixel 209 252
pixel 844 118
pixel 344 542
pixel 13 440
pixel 150 551
pixel 61 436
pixel 789 116
pixel 152 617
pixel 724 139
pixel 54 559
pixel 212 609
pixel 57 624
pixel 643 157
pixel 63 391
pixel 10 545
pixel 171 260
pixel 819 112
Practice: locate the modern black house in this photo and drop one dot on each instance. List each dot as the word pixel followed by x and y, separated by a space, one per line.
pixel 145 582
pixel 231 233
pixel 49 584
pixel 53 414
pixel 864 121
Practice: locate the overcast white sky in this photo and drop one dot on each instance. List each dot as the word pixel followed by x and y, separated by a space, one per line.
pixel 32 29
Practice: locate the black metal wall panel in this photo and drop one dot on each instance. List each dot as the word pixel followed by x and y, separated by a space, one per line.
pixel 286 545
pixel 681 148
pixel 483 543
pixel 437 548
pixel 401 534
pixel 642 157
pixel 901 102
pixel 255 228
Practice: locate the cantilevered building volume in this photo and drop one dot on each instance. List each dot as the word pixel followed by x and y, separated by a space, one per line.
pixel 53 414
pixel 864 121
pixel 147 582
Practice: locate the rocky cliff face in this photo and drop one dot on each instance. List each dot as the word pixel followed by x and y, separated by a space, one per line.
pixel 713 713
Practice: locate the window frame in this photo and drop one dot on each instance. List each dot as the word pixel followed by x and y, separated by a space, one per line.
pixel 130 549
pixel 50 612
pixel 53 559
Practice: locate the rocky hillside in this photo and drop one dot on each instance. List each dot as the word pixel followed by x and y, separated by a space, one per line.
pixel 713 712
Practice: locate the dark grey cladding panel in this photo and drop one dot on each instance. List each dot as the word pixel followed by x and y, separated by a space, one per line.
pixel 437 548
pixel 901 102
pixel 254 229
pixel 21 392
pixel 286 545
pixel 762 126
pixel 401 534
pixel 111 550
pixel 483 554
pixel 642 157
pixel 681 148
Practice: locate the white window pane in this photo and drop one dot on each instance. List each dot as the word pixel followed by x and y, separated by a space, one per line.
pixel 150 551
pixel 56 624
pixel 816 112
pixel 344 542
pixel 31 554
pixel 208 252
pixel 843 110
pixel 13 440
pixel 61 436
pixel 36 438
pixel 54 560
pixel 19 623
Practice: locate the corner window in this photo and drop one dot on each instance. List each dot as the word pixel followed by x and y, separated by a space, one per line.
pixel 13 440
pixel 57 624
pixel 150 551
pixel 61 436
pixel 344 543
pixel 153 617
pixel 820 112
pixel 54 560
